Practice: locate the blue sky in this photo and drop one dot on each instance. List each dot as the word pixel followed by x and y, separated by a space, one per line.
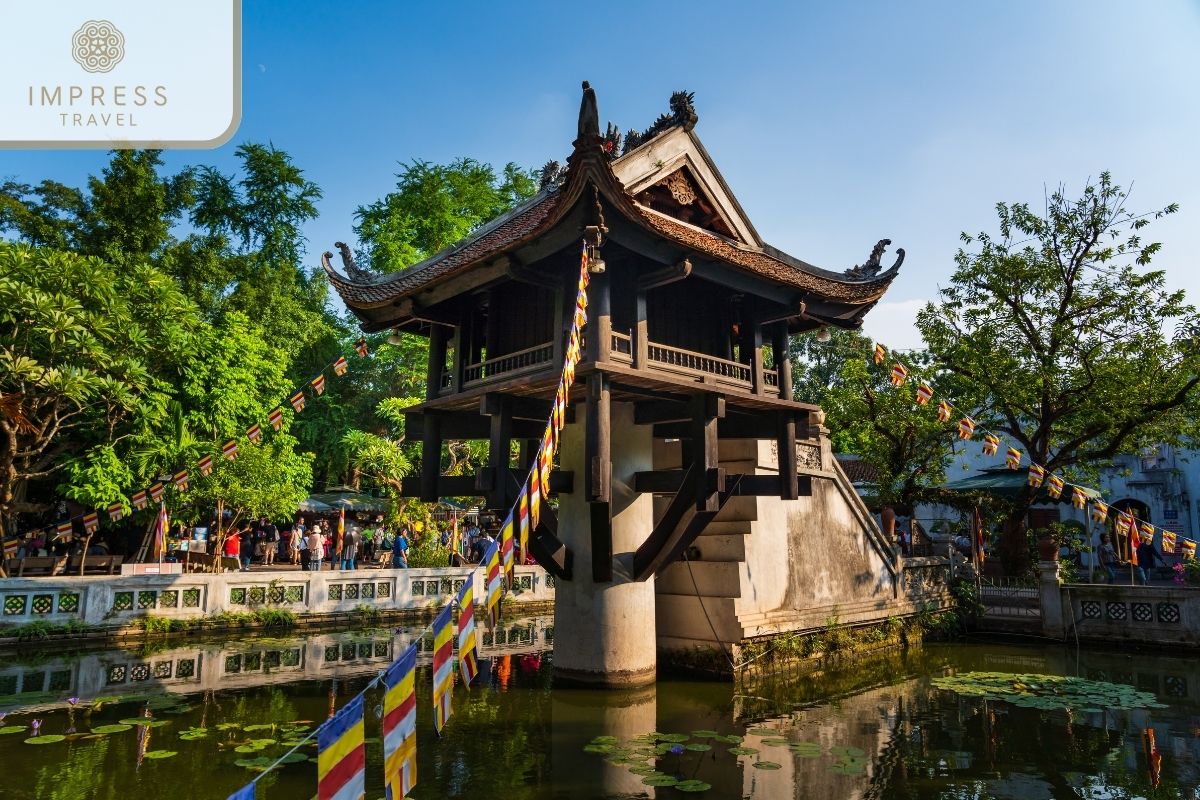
pixel 836 124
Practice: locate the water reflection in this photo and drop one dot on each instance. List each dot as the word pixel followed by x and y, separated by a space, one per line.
pixel 873 729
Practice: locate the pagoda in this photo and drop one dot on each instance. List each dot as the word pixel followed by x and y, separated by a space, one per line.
pixel 685 366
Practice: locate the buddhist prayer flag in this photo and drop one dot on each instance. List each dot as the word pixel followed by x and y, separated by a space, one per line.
pixel 546 461
pixel 443 670
pixel 468 665
pixel 991 443
pixel 254 433
pixel 1147 531
pixel 181 480
pixel 1099 511
pixel 1134 541
pixel 156 492
pixel 945 410
pixel 522 525
pixel 91 521
pixel 116 511
pixel 341 754
pixel 230 449
pixel 139 500
pixel 966 428
pixel 62 530
pixel 339 366
pixel 318 384
pixel 1054 486
pixel 400 725
pixel 924 393
pixel 11 546
pixel 1078 497
pixel 1037 474
pixel 244 793
pixel 276 418
pixel 1168 542
pixel 494 580
pixel 205 464
pixel 1123 523
pixel 297 401
pixel 899 374
pixel 506 543
pixel 1012 459
pixel 360 347
pixel 535 499
pixel 880 353
pixel 161 526
pixel 1188 549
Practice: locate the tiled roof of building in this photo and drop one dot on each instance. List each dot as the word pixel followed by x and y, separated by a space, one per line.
pixel 857 470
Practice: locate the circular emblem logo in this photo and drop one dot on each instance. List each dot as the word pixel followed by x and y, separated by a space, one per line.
pixel 98 46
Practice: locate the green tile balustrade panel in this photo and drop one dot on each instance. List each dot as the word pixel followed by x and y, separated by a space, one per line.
pixel 14 605
pixel 383 591
pixel 418 588
pixel 237 595
pixel 275 594
pixel 185 668
pixel 146 599
pixel 257 595
pixel 168 598
pixel 42 604
pixel 122 601
pixel 350 591
pixel 117 674
pixel 335 591
pixel 252 661
pixel 68 603
pixel 290 658
pixel 162 669
pixel 233 663
pixel 191 598
pixel 367 591
pixel 293 593
pixel 271 659
pixel 332 652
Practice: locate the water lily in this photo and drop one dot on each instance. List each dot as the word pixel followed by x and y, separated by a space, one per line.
pixel 677 749
pixel 73 701
pixel 36 725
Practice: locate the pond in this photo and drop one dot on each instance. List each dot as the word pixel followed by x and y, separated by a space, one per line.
pixel 946 721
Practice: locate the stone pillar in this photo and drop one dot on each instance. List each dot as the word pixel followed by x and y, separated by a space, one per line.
pixel 604 633
pixel 1051 598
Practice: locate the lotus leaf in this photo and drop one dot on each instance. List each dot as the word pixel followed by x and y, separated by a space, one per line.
pixel 743 751
pixel 118 728
pixel 767 765
pixel 693 786
pixel 705 734
pixel 49 738
pixel 698 747
pixel 161 754
pixel 659 779
pixel 7 729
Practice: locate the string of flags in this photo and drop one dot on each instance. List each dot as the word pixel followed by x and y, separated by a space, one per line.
pixel 180 480
pixel 1125 523
pixel 341 763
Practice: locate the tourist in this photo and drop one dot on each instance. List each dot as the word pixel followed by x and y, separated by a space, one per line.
pixel 386 540
pixel 479 547
pixel 1147 559
pixel 270 542
pixel 328 552
pixel 316 548
pixel 295 538
pixel 303 551
pixel 367 544
pixel 233 544
pixel 350 549
pixel 248 546
pixel 1109 559
pixel 400 550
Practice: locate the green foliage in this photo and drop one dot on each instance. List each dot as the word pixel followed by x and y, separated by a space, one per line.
pixel 275 618
pixel 44 629
pixel 426 552
pixel 269 479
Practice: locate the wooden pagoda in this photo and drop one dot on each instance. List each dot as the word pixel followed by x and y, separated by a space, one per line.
pixel 690 315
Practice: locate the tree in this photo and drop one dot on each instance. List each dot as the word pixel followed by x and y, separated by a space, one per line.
pixel 1079 353
pixel 904 442
pixel 434 206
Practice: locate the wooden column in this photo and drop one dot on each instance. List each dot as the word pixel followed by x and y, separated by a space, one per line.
pixel 493 478
pixel 783 360
pixel 598 441
pixel 752 355
pixel 640 332
pixel 599 327
pixel 705 412
pixel 458 359
pixel 438 335
pixel 492 327
pixel 431 456
pixel 562 320
pixel 786 451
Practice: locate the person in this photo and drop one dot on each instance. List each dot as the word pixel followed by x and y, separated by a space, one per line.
pixel 386 540
pixel 366 545
pixel 1148 559
pixel 328 552
pixel 480 546
pixel 1109 559
pixel 350 549
pixel 294 539
pixel 316 548
pixel 248 546
pixel 400 550
pixel 302 549
pixel 270 542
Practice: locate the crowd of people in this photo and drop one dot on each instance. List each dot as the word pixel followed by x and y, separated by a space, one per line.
pixel 313 544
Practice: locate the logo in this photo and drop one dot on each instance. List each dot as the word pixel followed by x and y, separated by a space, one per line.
pixel 98 46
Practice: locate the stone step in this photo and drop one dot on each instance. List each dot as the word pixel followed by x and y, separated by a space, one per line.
pixel 683 616
pixel 727 528
pixel 721 547
pixel 706 578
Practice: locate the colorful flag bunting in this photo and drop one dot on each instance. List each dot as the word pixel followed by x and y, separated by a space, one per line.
pixel 318 384
pixel 546 461
pixel 468 665
pixel 91 521
pixel 156 492
pixel 1012 459
pixel 966 428
pixel 443 670
pixel 1078 497
pixel 1054 486
pixel 116 511
pixel 945 410
pixel 339 366
pixel 991 444
pixel 276 418
pixel 341 754
pixel 924 393
pixel 1134 542
pixel 297 401
pixel 1123 523
pixel 62 530
pixel 139 500
pixel 535 499
pixel 899 374
pixel 1099 512
pixel 205 464
pixel 360 347
pixel 1188 549
pixel 230 449
pixel 1037 474
pixel 244 793
pixel 506 543
pixel 400 725
pixel 254 433
pixel 1147 531
pixel 495 580
pixel 161 526
pixel 1168 541
pixel 523 527
pixel 880 353
pixel 11 546
pixel 181 480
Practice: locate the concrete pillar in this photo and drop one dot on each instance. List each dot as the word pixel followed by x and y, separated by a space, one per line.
pixel 1052 603
pixel 604 633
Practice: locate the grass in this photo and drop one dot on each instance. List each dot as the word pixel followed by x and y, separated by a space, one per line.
pixel 44 629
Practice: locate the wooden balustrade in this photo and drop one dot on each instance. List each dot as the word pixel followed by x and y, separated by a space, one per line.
pixel 700 366
pixel 621 349
pixel 510 364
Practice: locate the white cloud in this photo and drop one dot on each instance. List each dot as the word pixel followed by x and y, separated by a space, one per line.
pixel 894 324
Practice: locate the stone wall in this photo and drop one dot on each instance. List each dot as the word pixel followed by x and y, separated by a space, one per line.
pixel 119 600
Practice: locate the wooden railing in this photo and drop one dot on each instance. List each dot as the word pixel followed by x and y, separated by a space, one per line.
pixel 621 348
pixel 771 378
pixel 510 364
pixel 699 365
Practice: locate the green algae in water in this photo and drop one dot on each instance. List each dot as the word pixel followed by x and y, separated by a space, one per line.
pixel 1047 692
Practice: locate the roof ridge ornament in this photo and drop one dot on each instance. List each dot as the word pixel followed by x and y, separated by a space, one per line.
pixel 683 114
pixel 353 271
pixel 871 267
pixel 589 115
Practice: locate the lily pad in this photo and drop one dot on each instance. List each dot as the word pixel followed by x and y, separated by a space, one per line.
pixel 705 734
pixel 659 779
pixel 743 751
pixel 260 763
pixel 49 738
pixel 7 729
pixel 115 728
pixel 156 754
pixel 604 740
pixel 698 747
pixel 674 737
pixel 848 768
pixel 775 742
pixel 763 732
pixel 247 748
pixel 767 765
pixel 693 785
pixel 293 758
pixel 643 769
pixel 598 748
